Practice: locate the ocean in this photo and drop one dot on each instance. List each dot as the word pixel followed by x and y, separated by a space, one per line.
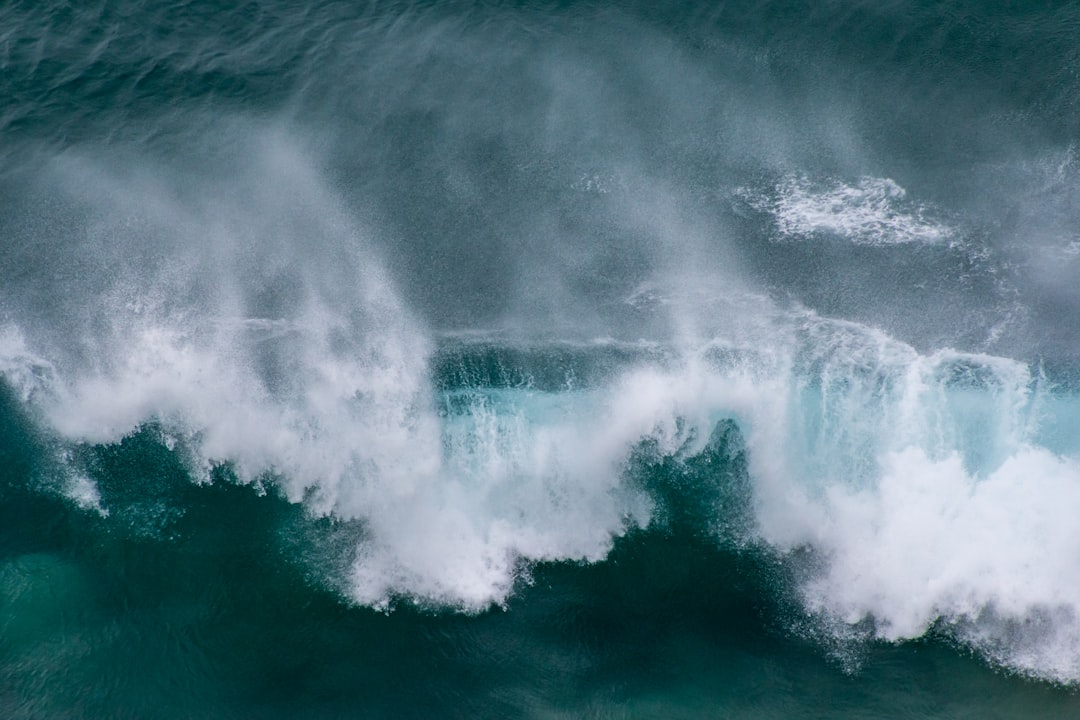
pixel 539 359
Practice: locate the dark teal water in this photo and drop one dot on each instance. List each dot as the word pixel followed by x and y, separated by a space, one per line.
pixel 539 360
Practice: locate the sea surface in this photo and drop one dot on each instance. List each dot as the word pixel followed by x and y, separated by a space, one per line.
pixel 539 359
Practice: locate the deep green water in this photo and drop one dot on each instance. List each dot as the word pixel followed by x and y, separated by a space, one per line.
pixel 539 360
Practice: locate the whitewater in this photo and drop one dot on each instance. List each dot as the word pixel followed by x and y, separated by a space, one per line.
pixel 482 294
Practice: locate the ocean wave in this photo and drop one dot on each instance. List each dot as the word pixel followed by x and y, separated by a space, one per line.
pixel 928 484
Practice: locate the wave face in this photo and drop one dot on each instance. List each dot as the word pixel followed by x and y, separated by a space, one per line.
pixel 409 318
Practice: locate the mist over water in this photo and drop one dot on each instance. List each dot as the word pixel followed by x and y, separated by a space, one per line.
pixel 471 295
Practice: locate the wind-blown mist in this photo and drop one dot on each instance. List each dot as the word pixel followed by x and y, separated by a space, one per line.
pixel 446 275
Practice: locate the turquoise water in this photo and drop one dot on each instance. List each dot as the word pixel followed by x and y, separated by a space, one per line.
pixel 539 360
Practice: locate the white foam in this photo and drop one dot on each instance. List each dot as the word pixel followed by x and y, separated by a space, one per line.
pixel 874 211
pixel 85 493
pixel 931 542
